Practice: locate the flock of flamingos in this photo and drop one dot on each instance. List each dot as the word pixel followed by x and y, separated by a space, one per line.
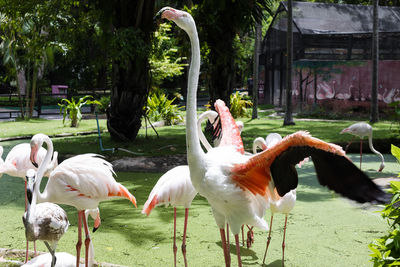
pixel 239 186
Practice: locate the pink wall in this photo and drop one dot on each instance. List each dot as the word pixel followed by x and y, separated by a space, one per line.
pixel 351 84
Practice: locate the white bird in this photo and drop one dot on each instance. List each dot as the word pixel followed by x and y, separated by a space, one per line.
pixel 45 221
pixel 175 188
pixel 81 181
pixel 64 259
pixel 17 163
pixel 231 181
pixel 362 129
pixel 283 204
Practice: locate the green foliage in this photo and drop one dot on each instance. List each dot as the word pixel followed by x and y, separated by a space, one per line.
pixel 73 109
pixel 105 101
pixel 239 105
pixel 159 107
pixel 386 250
pixel 164 61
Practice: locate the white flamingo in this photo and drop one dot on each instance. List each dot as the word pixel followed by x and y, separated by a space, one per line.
pixel 363 129
pixel 175 187
pixel 65 259
pixel 45 221
pixel 230 180
pixel 82 181
pixel 17 163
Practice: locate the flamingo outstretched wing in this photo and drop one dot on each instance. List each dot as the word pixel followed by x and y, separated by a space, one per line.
pixel 275 169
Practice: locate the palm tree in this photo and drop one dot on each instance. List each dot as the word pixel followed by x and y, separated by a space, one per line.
pixel 128 31
pixel 219 22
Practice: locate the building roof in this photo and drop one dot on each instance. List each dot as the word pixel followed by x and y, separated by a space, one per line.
pixel 325 18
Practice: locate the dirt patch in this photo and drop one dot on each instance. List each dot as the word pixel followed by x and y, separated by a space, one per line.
pixel 149 164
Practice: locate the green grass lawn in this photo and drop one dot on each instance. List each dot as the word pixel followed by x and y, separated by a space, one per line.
pixel 324 229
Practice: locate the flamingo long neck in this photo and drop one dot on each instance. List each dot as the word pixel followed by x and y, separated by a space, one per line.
pixel 43 197
pixel 194 152
pixel 30 209
pixel 373 149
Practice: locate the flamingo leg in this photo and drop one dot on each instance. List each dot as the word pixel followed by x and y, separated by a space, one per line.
pixel 184 236
pixel 27 251
pixel 351 141
pixel 34 248
pixel 242 236
pixel 283 242
pixel 250 236
pixel 174 247
pixel 228 247
pixel 79 243
pixel 238 250
pixel 223 241
pixel 268 239
pixel 87 239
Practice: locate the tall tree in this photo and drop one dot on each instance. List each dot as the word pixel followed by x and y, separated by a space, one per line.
pixel 219 22
pixel 257 43
pixel 288 120
pixel 128 26
pixel 375 62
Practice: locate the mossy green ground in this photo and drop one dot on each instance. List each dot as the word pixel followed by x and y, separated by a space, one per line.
pixel 324 229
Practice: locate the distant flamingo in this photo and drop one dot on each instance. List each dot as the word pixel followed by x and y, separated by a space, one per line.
pixel 17 163
pixel 230 180
pixel 64 259
pixel 362 129
pixel 82 181
pixel 45 221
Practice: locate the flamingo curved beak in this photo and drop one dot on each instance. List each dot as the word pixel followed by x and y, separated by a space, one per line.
pixel 33 156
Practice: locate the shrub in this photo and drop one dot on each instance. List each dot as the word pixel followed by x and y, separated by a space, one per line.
pixel 239 105
pixel 159 107
pixel 386 250
pixel 73 109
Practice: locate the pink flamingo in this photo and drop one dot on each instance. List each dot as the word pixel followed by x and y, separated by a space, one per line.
pixel 17 163
pixel 230 181
pixel 82 181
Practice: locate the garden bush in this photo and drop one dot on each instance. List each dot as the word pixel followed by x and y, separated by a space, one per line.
pixel 159 107
pixel 239 105
pixel 386 250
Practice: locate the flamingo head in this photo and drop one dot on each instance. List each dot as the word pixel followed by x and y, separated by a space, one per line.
pixel 30 186
pixel 95 214
pixel 36 143
pixel 381 167
pixel 183 19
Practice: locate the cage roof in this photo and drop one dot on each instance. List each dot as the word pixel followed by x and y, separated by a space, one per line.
pixel 327 18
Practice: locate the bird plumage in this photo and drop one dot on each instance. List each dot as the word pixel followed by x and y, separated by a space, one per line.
pixel 82 181
pixel 44 221
pixel 229 180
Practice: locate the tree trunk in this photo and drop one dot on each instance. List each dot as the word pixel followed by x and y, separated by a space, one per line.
pixel 33 95
pixel 130 81
pixel 375 62
pixel 288 120
pixel 255 71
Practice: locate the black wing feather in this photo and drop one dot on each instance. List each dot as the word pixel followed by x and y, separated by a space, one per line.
pixel 336 172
